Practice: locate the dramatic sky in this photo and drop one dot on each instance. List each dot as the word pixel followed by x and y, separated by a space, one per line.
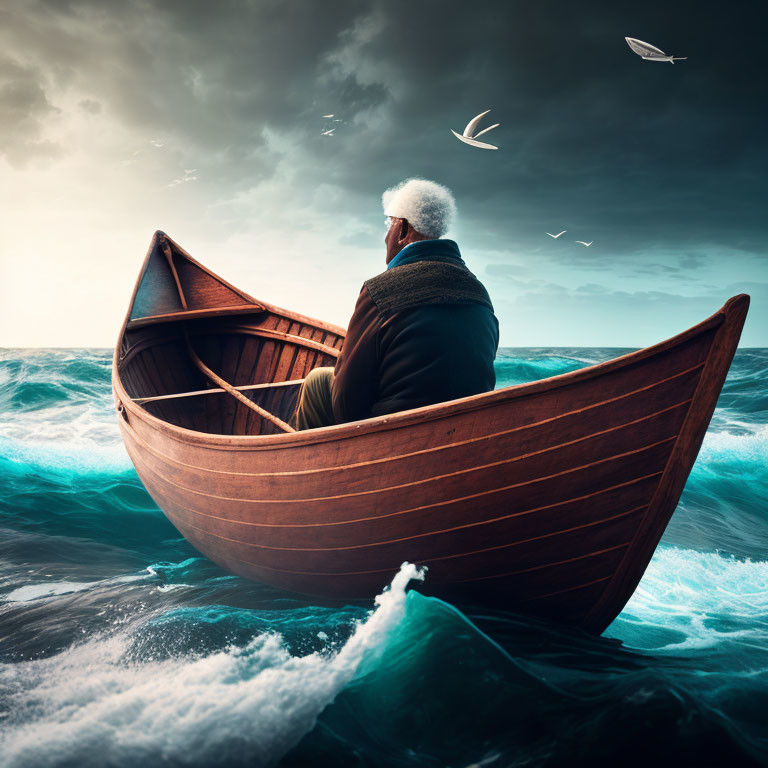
pixel 201 118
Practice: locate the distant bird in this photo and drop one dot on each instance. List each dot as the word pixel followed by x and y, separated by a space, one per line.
pixel 157 143
pixel 651 52
pixel 327 115
pixel 328 133
pixel 558 234
pixel 470 137
pixel 581 242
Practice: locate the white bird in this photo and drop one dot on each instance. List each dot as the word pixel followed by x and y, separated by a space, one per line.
pixel 327 115
pixel 470 137
pixel 558 234
pixel 651 52
pixel 581 242
pixel 328 133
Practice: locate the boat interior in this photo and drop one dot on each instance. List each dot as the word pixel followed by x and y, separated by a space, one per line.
pixel 191 339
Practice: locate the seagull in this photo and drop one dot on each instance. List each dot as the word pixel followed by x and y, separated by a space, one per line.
pixel 581 242
pixel 651 52
pixel 470 137
pixel 327 115
pixel 328 133
pixel 157 143
pixel 557 235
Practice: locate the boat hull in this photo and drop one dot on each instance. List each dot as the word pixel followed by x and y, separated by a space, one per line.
pixel 548 498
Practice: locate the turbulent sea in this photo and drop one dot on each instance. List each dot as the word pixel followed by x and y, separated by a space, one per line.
pixel 121 646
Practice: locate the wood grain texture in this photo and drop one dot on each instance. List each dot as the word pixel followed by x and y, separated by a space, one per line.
pixel 548 497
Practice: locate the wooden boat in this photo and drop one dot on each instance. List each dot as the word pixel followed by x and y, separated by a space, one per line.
pixel 548 497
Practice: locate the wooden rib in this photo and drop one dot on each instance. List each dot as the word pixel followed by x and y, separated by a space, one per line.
pixel 193 314
pixel 216 391
pixel 232 391
pixel 231 349
pixel 253 424
pixel 165 379
pixel 150 376
pixel 250 376
pixel 435 449
pixel 140 346
pixel 246 363
pixel 286 338
pixel 168 253
pixel 212 375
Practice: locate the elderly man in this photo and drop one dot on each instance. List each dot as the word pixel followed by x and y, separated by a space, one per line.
pixel 423 331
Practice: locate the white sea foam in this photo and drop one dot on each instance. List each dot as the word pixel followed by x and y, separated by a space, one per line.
pixel 90 706
pixel 749 449
pixel 699 599
pixel 73 437
pixel 45 589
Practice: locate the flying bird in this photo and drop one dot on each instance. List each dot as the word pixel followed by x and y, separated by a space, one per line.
pixel 470 137
pixel 327 115
pixel 581 242
pixel 328 133
pixel 558 234
pixel 651 52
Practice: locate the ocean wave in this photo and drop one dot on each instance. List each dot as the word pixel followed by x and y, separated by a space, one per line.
pixel 48 589
pixel 725 502
pixel 246 704
pixel 742 450
pixel 692 600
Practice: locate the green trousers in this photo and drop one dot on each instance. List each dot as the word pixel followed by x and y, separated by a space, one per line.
pixel 314 407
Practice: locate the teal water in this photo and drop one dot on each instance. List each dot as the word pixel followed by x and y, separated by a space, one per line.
pixel 120 645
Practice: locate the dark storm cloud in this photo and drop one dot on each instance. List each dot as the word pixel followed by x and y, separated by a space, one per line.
pixel 593 139
pixel 629 153
pixel 210 76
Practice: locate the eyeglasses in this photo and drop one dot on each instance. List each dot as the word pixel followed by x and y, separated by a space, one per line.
pixel 387 222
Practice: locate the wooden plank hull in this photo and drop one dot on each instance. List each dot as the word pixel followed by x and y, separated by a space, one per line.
pixel 548 498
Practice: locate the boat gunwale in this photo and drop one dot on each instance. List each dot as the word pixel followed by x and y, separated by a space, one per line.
pixel 386 422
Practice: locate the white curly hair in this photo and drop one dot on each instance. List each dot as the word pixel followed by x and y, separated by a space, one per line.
pixel 428 206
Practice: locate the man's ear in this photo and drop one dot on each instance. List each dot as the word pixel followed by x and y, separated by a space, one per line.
pixel 404 227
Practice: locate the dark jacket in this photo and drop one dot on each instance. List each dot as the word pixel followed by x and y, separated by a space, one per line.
pixel 421 333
